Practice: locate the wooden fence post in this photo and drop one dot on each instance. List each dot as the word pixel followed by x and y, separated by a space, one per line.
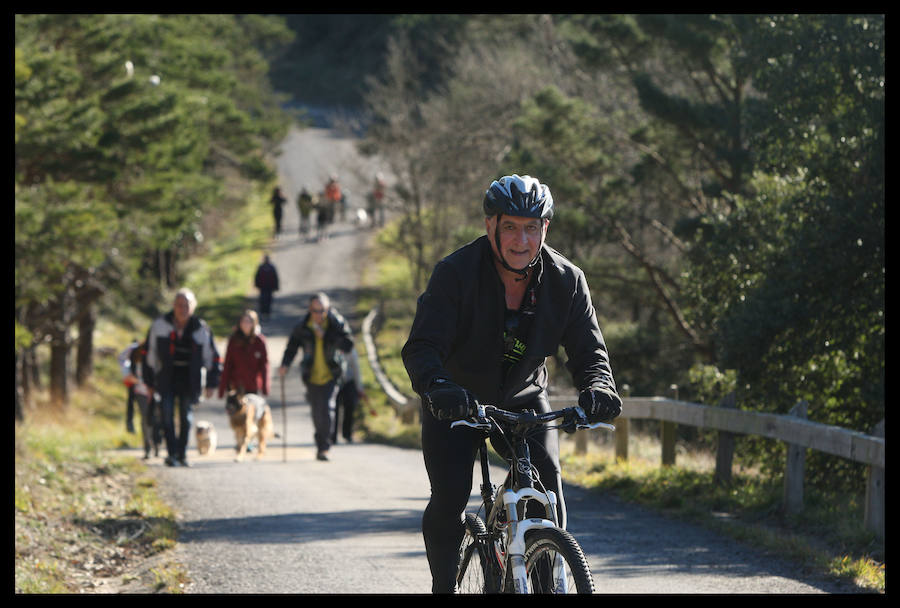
pixel 793 472
pixel 874 519
pixel 622 439
pixel 667 435
pixel 725 447
pixel 581 442
pixel 622 429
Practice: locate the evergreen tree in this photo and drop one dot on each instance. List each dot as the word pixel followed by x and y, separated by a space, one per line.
pixel 127 127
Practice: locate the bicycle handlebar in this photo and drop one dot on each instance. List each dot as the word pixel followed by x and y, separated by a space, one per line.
pixel 485 414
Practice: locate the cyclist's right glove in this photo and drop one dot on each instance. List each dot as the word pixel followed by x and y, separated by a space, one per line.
pixel 600 405
pixel 448 401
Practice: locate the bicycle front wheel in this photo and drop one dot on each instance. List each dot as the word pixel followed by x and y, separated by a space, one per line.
pixel 555 563
pixel 472 575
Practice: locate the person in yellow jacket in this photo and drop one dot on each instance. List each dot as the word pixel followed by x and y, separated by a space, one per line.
pixel 325 337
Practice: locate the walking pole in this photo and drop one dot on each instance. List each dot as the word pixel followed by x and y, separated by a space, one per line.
pixel 283 424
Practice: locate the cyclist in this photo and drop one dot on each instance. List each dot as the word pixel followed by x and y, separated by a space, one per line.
pixel 491 313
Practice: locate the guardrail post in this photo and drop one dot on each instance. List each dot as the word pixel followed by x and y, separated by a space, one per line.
pixel 622 429
pixel 725 447
pixel 874 519
pixel 581 442
pixel 793 472
pixel 667 435
pixel 410 412
pixel 622 439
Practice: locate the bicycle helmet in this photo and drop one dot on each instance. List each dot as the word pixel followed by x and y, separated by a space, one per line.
pixel 521 196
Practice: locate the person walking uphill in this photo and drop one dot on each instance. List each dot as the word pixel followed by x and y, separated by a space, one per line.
pixel 179 346
pixel 323 334
pixel 246 368
pixel 278 200
pixel 266 281
pixel 491 314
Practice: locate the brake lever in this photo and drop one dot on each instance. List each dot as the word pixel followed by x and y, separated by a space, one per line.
pixel 479 420
pixel 582 423
pixel 596 425
pixel 475 424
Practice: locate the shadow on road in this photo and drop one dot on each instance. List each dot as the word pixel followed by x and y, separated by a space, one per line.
pixel 293 528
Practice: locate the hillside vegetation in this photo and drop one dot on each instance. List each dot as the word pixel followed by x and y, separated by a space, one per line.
pixel 719 178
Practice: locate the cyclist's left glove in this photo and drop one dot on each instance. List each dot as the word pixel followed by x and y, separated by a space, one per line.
pixel 600 405
pixel 447 400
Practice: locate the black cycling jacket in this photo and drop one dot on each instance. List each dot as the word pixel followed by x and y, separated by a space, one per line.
pixel 457 332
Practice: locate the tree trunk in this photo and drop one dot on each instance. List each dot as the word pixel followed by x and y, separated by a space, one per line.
pixel 84 362
pixel 59 369
pixel 20 392
pixel 33 370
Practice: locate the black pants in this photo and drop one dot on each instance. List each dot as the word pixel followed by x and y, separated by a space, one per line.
pixel 176 444
pixel 347 400
pixel 449 459
pixel 265 301
pixel 322 404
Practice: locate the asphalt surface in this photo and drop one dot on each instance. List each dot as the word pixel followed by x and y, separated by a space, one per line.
pixel 289 524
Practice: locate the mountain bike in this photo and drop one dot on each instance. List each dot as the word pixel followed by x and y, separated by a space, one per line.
pixel 508 552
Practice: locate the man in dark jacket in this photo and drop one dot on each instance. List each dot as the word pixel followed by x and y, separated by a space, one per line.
pixel 492 312
pixel 266 281
pixel 179 346
pixel 323 335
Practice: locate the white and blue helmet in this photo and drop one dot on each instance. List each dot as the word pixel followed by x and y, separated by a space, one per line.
pixel 521 196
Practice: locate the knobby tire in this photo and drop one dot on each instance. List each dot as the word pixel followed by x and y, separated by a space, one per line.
pixel 472 575
pixel 541 547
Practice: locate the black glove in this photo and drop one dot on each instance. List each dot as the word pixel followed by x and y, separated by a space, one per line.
pixel 448 401
pixel 599 405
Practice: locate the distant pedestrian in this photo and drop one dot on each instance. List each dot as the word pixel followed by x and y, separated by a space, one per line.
pixel 179 346
pixel 138 377
pixel 278 200
pixel 266 281
pixel 246 368
pixel 352 391
pixel 329 203
pixel 305 204
pixel 321 334
pixel 126 358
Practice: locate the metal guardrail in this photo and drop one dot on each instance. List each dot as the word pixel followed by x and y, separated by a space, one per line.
pixel 406 407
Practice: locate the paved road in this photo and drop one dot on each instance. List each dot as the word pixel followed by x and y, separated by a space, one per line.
pixel 291 524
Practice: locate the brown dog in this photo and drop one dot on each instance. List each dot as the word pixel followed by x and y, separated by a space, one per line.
pixel 251 418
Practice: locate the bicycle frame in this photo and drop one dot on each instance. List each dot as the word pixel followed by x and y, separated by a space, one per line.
pixel 519 486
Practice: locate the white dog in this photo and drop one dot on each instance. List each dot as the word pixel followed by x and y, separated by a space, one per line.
pixel 206 437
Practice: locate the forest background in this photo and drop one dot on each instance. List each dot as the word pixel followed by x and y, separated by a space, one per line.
pixel 719 178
